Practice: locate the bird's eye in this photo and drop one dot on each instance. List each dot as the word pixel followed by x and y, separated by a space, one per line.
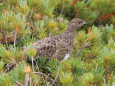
pixel 79 22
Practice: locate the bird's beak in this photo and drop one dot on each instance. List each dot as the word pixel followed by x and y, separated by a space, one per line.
pixel 84 23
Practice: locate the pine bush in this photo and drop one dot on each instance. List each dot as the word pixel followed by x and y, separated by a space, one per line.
pixel 23 22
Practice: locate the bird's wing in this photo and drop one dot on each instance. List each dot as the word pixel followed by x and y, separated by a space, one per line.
pixel 62 50
pixel 45 47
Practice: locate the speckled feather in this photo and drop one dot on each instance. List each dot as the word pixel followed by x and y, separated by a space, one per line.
pixel 59 46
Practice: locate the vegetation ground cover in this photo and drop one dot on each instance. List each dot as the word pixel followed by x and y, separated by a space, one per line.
pixel 23 22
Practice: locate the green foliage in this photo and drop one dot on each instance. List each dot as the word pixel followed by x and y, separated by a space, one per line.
pixel 66 78
pixel 108 56
pixel 14 54
pixel 31 52
pixel 1 65
pixel 88 78
pixel 5 80
pixel 53 68
pixel 23 22
pixel 18 73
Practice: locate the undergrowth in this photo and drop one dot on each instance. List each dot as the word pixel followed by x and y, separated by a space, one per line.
pixel 23 22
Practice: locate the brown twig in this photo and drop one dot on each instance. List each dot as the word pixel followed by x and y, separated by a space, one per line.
pixel 44 75
pixel 82 47
pixel 108 69
pixel 26 79
pixel 61 10
pixel 47 77
pixel 15 38
pixel 6 41
pixel 86 58
pixel 17 82
pixel 55 77
pixel 37 66
pixel 22 38
pixel 10 66
pixel 32 64
pixel 30 15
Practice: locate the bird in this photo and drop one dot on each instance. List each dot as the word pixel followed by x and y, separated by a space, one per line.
pixel 60 46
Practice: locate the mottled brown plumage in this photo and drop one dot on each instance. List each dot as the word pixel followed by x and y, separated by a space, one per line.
pixel 59 46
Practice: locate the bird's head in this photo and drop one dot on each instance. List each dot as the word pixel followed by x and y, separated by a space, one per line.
pixel 77 23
